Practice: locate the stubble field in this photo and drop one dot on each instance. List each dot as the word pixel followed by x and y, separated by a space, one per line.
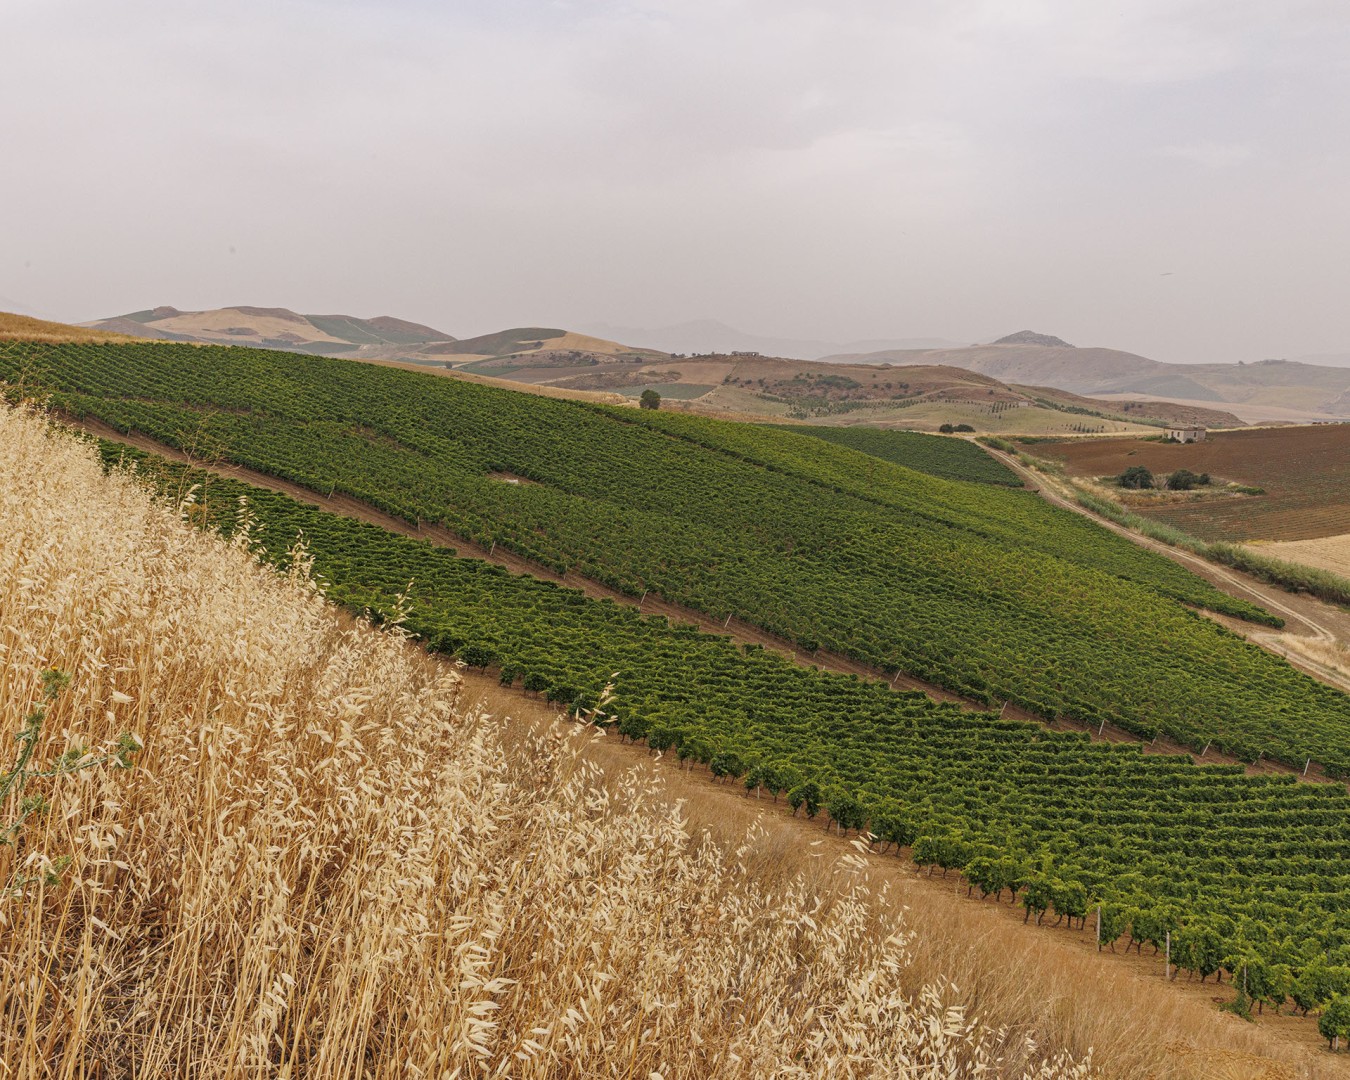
pixel 1304 473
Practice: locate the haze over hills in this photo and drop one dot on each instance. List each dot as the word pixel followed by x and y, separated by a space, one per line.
pixel 558 362
pixel 540 343
pixel 381 338
pixel 711 336
pixel 1266 390
pixel 1339 359
pixel 748 386
pixel 1274 390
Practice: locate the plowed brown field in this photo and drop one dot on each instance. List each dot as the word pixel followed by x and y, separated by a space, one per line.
pixel 1305 472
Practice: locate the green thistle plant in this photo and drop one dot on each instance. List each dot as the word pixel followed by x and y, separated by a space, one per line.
pixel 15 778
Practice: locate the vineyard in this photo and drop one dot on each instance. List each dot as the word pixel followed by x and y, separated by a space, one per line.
pixel 1241 873
pixel 951 459
pixel 987 591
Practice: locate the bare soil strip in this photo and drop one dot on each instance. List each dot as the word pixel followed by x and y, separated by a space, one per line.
pixel 736 629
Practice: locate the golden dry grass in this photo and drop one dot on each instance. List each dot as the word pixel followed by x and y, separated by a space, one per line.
pixel 319 868
pixel 1325 553
pixel 24 328
pixel 1332 654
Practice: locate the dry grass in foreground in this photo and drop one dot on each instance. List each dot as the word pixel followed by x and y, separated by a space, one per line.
pixel 25 328
pixel 317 868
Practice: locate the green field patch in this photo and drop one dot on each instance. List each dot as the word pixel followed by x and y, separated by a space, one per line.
pixel 952 459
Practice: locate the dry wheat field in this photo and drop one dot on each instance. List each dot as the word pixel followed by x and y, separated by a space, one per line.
pixel 316 865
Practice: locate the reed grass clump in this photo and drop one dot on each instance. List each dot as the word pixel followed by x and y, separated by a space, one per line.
pixel 319 866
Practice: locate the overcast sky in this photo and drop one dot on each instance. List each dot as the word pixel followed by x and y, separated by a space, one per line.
pixel 1163 176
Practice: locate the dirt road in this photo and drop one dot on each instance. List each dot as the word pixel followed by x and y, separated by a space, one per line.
pixel 1304 615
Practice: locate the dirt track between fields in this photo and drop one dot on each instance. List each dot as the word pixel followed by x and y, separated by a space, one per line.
pixel 1304 615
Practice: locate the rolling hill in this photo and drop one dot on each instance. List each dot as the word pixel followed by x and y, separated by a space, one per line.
pixel 986 591
pixel 1023 609
pixel 745 385
pixel 1267 390
pixel 26 328
pixel 711 336
pixel 541 345
pixel 750 386
pixel 381 338
pixel 277 328
pixel 324 862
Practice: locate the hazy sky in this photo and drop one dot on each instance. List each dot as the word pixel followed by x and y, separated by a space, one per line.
pixel 1165 176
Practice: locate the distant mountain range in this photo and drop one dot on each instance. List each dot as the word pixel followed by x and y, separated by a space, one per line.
pixel 1261 391
pixel 704 336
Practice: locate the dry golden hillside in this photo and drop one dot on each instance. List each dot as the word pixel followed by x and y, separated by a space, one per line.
pixel 24 328
pixel 317 866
